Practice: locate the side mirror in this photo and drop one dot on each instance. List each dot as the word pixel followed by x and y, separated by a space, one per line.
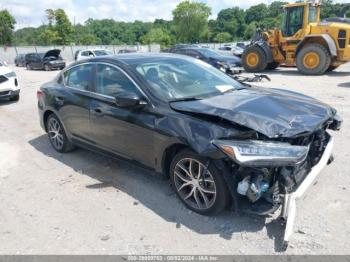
pixel 129 100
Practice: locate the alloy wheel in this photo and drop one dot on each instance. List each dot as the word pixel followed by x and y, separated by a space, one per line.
pixel 55 134
pixel 194 183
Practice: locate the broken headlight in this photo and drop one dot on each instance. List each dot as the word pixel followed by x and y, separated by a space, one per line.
pixel 261 153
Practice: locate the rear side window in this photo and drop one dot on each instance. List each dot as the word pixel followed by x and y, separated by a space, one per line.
pixel 85 53
pixel 79 77
pixel 110 81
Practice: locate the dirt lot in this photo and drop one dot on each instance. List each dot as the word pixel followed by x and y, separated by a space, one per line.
pixel 84 203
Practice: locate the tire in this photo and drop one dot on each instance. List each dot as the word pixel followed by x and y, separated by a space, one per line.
pixel 332 68
pixel 203 200
pixel 14 98
pixel 55 129
pixel 46 67
pixel 254 59
pixel 28 67
pixel 17 65
pixel 272 66
pixel 313 59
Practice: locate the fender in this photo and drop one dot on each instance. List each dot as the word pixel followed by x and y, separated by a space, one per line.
pixel 267 50
pixel 328 40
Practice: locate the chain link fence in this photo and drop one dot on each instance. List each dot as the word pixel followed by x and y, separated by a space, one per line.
pixel 8 54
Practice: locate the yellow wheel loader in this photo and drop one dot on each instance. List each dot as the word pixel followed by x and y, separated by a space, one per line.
pixel 313 46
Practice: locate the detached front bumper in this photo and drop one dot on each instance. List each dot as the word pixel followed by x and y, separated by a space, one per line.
pixel 289 203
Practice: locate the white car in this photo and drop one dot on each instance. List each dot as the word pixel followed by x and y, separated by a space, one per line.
pixel 84 54
pixel 9 87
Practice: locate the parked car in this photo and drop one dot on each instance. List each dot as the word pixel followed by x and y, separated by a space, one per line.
pixel 9 88
pixel 48 61
pixel 232 49
pixel 89 53
pixel 126 51
pixel 219 141
pixel 20 60
pixel 227 63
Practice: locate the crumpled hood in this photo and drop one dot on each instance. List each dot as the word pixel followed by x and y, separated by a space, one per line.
pixel 53 52
pixel 229 59
pixel 272 112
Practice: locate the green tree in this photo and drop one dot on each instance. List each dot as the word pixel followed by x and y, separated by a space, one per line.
pixel 223 37
pixel 156 35
pixel 249 31
pixel 231 20
pixel 59 25
pixel 190 20
pixel 7 25
pixel 256 13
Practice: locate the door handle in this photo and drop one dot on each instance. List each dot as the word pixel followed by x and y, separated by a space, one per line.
pixel 97 112
pixel 59 100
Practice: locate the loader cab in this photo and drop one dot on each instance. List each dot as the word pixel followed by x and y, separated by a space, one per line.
pixel 298 16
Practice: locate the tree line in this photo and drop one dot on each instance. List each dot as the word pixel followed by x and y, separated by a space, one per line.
pixel 190 24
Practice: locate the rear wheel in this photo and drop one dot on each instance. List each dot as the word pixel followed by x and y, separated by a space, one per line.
pixel 254 59
pixel 201 188
pixel 57 135
pixel 313 59
pixel 28 67
pixel 46 67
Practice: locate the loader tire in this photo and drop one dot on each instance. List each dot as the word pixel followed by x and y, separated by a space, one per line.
pixel 313 59
pixel 332 68
pixel 254 59
pixel 272 66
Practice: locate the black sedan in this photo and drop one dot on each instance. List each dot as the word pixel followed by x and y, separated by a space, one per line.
pixel 227 63
pixel 219 141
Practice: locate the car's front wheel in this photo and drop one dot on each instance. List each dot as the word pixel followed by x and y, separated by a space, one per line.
pixel 199 184
pixel 46 67
pixel 57 135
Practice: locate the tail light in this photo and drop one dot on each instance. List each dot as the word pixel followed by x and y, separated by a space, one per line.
pixel 39 94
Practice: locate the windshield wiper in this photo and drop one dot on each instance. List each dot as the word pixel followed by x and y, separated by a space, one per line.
pixel 233 89
pixel 185 99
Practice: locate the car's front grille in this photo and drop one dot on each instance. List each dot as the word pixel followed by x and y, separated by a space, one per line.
pixel 3 79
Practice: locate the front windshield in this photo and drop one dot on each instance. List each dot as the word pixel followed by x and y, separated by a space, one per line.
pixel 102 52
pixel 174 79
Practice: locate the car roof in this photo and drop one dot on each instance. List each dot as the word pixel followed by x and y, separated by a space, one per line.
pixel 135 58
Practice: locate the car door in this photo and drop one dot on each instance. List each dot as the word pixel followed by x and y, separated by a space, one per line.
pixel 74 101
pixel 37 61
pixel 127 132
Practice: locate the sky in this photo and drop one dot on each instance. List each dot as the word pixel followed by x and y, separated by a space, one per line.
pixel 32 12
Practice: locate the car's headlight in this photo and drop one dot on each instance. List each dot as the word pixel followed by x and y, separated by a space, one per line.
pixel 261 153
pixel 11 74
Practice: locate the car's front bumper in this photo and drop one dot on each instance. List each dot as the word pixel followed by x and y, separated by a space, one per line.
pixel 57 65
pixel 9 93
pixel 289 204
pixel 9 88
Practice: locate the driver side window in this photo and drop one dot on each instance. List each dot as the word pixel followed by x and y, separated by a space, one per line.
pixel 110 81
pixel 293 20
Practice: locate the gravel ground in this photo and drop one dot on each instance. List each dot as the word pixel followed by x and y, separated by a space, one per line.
pixel 84 203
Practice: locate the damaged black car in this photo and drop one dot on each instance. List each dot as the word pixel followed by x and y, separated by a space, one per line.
pixel 51 60
pixel 221 143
